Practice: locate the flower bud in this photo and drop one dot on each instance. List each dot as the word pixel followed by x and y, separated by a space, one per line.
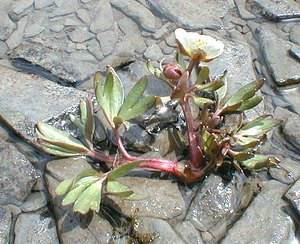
pixel 172 71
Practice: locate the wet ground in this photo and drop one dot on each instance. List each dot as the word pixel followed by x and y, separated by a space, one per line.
pixel 50 49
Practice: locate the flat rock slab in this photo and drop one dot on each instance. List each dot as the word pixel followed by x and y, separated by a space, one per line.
pixel 265 220
pixel 17 175
pixel 276 9
pixel 26 98
pixel 5 224
pixel 193 14
pixel 58 63
pixel 284 69
pixel 293 196
pixel 35 228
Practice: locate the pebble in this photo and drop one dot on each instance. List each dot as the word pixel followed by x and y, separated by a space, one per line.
pixel 69 7
pixel 3 49
pixel 128 26
pixel 293 196
pixel 22 5
pixel 33 30
pixel 38 4
pixel 80 35
pixel 107 40
pixel 153 53
pixel 72 22
pixel 15 38
pixel 103 17
pixel 295 34
pixel 7 26
pixel 94 48
pixel 84 16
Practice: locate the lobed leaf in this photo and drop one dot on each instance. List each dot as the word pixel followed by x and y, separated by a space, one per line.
pixel 203 75
pixel 64 187
pixel 120 190
pixel 259 161
pixel 123 170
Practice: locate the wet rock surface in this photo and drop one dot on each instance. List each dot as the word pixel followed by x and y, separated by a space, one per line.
pixel 67 41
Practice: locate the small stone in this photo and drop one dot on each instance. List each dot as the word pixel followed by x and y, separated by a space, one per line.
pixel 16 37
pixel 153 53
pixel 188 232
pixel 72 22
pixel 15 187
pixel 33 30
pixel 35 201
pixel 137 42
pixel 35 228
pixel 83 56
pixel 103 17
pixel 3 49
pixel 84 16
pixel 243 12
pixel 295 34
pixel 163 31
pixel 170 40
pixel 295 52
pixel 6 25
pixel 128 26
pixel 22 5
pixel 136 11
pixel 38 4
pixel 68 7
pixel 165 48
pixel 56 27
pixel 124 48
pixel 291 130
pixel 107 40
pixel 81 46
pixel 6 217
pixel 80 35
pixel 293 196
pixel 94 48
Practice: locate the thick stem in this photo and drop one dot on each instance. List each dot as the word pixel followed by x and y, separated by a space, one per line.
pixel 195 142
pixel 101 156
pixel 191 65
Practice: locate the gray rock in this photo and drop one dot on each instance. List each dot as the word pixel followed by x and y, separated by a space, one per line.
pixel 80 35
pixel 22 5
pixel 35 228
pixel 5 224
pixel 162 198
pixel 137 42
pixel 159 228
pixel 295 34
pixel 103 17
pixel 295 52
pixel 284 69
pixel 265 220
pixel 188 232
pixel 33 30
pixel 38 4
pixel 125 48
pixel 137 12
pixel 292 195
pixel 291 130
pixel 128 26
pixel 15 187
pixel 275 9
pixel 83 56
pixel 73 22
pixel 6 25
pixel 69 7
pixel 153 53
pixel 191 15
pixel 58 63
pixel 35 201
pixel 107 40
pixel 164 31
pixel 243 12
pixel 56 27
pixel 94 48
pixel 3 49
pixel 15 38
pixel 86 1
pixel 28 98
pixel 170 40
pixel 73 228
pixel 84 16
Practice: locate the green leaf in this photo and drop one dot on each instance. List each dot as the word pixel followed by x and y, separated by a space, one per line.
pixel 64 187
pixel 203 75
pixel 83 112
pixel 210 86
pixel 90 198
pixel 181 87
pixel 123 170
pixel 200 101
pixel 243 156
pixel 259 162
pixel 250 103
pixel 98 86
pixel 120 190
pixel 58 151
pixel 138 109
pixel 232 108
pixel 77 123
pixel 221 92
pixel 245 92
pixel 89 122
pixel 248 142
pixel 259 126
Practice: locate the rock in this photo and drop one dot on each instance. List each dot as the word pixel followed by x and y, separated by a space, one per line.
pixel 35 228
pixel 128 26
pixel 5 224
pixel 27 98
pixel 295 34
pixel 103 17
pixel 83 55
pixel 80 35
pixel 137 12
pixel 94 48
pixel 153 53
pixel 22 5
pixel 59 64
pixel 15 38
pixel 275 9
pixel 284 70
pixel 6 25
pixel 125 48
pixel 291 130
pixel 33 30
pixel 295 52
pixel 163 31
pixel 73 22
pixel 56 27
pixel 137 42
pixel 107 40
pixel 293 196
pixel 35 201
pixel 243 12
pixel 69 7
pixel 84 16
pixel 265 220
pixel 162 199
pixel 17 175
pixel 3 49
pixel 193 15
pixel 38 4
pixel 188 232
pixel 73 228
pixel 159 228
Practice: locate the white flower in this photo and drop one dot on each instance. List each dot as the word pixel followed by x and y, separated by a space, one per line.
pixel 198 47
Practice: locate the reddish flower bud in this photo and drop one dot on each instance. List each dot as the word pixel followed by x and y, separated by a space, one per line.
pixel 173 71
